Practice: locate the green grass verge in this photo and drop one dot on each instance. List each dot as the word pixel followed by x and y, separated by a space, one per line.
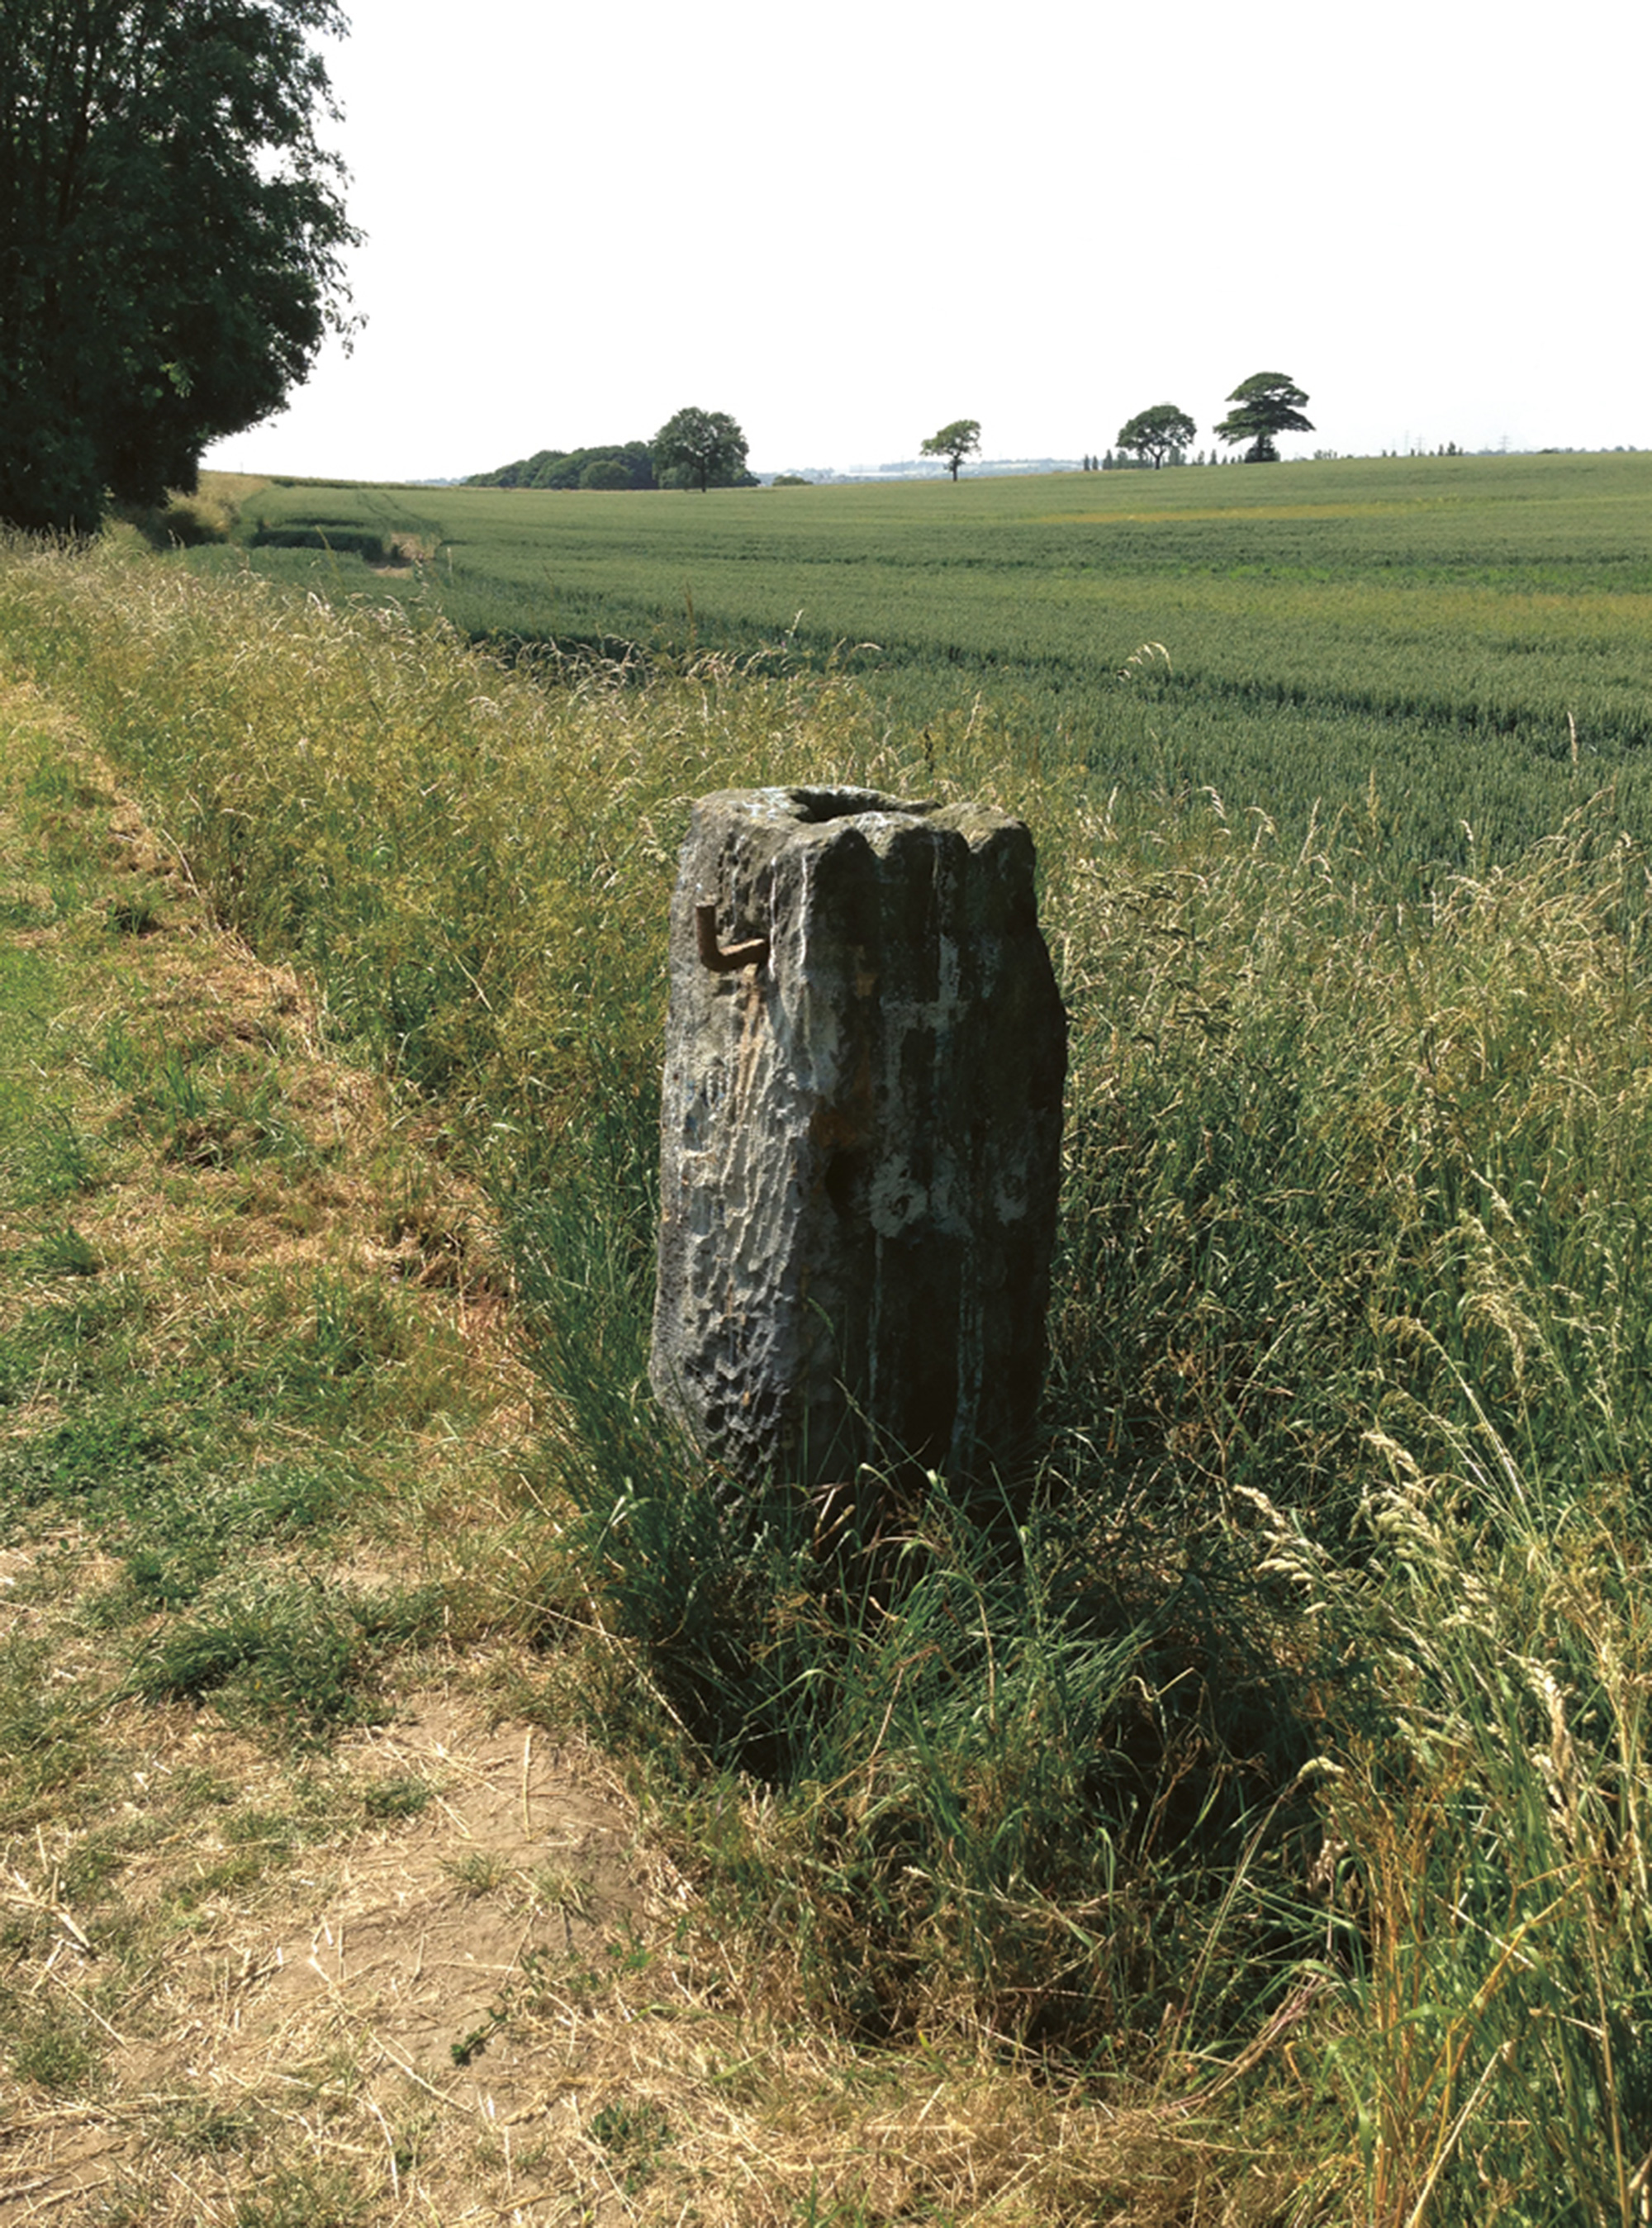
pixel 213 1394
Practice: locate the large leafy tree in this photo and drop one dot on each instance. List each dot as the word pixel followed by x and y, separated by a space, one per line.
pixel 1268 403
pixel 704 445
pixel 1155 434
pixel 960 440
pixel 171 237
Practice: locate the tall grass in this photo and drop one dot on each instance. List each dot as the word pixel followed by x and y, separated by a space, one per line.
pixel 472 860
pixel 1279 1756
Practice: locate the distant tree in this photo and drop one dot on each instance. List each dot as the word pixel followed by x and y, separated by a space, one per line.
pixel 538 471
pixel 1268 403
pixel 171 237
pixel 960 440
pixel 702 445
pixel 571 468
pixel 1155 434
pixel 605 472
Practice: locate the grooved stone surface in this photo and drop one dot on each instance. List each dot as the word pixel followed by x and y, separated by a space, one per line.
pixel 859 1136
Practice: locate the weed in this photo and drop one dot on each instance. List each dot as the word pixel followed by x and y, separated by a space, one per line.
pixel 205 2127
pixel 25 911
pixel 402 1614
pixel 67 1252
pixel 302 2196
pixel 522 1986
pixel 634 2136
pixel 116 1058
pixel 388 1800
pixel 60 1161
pixel 52 2049
pixel 816 2211
pixel 482 1872
pixel 555 1887
pixel 281 1656
pixel 101 1453
pixel 157 1578
pixel 47 1744
pixel 138 910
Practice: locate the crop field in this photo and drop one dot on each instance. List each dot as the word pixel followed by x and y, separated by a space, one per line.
pixel 1466 641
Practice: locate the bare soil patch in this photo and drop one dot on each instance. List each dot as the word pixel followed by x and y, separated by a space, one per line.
pixel 339 2005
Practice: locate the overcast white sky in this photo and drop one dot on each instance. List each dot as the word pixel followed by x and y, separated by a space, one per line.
pixel 847 226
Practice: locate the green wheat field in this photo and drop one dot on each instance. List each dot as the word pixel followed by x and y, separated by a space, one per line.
pixel 1471 636
pixel 1244 1821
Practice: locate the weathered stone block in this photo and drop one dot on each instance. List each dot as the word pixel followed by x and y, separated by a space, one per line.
pixel 860 1135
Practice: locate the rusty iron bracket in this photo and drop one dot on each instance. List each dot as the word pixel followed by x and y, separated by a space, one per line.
pixel 723 959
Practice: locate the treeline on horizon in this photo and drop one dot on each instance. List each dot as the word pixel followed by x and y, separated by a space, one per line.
pixel 615 465
pixel 618 465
